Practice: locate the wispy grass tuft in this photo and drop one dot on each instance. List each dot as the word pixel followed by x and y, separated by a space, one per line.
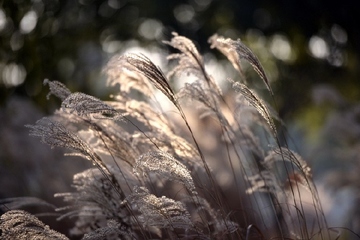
pixel 156 179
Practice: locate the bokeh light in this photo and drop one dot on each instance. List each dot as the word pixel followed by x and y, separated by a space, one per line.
pixel 28 22
pixel 280 47
pixel 318 47
pixel 184 13
pixel 339 34
pixel 2 19
pixel 150 29
pixel 13 75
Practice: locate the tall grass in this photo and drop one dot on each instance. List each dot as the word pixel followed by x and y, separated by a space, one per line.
pixel 154 174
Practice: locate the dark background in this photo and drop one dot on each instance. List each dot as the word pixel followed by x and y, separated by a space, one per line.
pixel 68 41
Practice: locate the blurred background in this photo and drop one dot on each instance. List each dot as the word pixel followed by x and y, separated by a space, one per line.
pixel 309 49
pixel 300 43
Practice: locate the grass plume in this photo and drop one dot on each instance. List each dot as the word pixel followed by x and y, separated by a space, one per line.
pixel 157 180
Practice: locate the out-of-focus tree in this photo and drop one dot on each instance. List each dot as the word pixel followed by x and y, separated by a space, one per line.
pixel 300 43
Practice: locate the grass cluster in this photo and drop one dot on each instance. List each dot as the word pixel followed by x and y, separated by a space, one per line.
pixel 154 174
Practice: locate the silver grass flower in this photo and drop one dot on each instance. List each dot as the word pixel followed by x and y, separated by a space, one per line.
pixel 18 224
pixel 96 201
pixel 166 166
pixel 145 66
pixel 57 89
pixel 117 200
pixel 121 72
pixel 113 230
pixel 56 135
pixel 256 102
pixel 189 60
pixel 229 46
pixel 161 212
pixel 86 106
